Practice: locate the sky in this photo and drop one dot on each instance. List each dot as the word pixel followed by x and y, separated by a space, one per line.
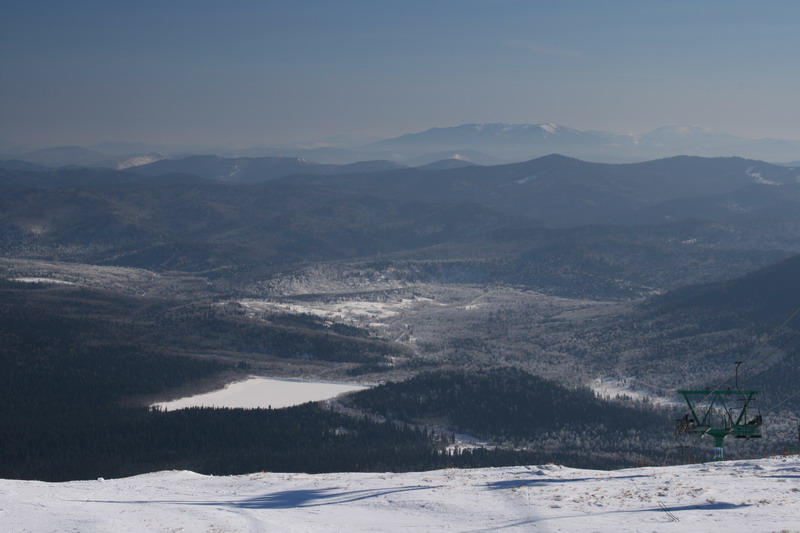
pixel 200 72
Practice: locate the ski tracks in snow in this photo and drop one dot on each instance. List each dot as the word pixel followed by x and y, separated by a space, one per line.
pixel 759 495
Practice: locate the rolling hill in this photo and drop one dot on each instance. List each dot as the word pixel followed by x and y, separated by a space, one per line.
pixel 560 191
pixel 680 220
pixel 253 169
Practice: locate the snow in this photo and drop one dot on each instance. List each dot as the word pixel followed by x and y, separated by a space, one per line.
pixel 552 129
pixel 526 179
pixel 41 280
pixel 258 392
pixel 753 496
pixel 759 178
pixel 611 387
pixel 236 170
pixel 358 310
pixel 138 161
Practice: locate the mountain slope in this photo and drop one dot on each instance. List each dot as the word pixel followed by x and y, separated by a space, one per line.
pixel 692 336
pixel 766 296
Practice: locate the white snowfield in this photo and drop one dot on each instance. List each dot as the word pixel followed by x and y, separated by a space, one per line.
pixel 258 392
pixel 737 496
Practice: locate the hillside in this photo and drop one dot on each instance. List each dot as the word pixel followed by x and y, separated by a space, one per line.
pixel 691 336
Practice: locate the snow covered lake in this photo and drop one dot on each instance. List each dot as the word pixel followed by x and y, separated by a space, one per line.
pixel 42 280
pixel 737 496
pixel 256 392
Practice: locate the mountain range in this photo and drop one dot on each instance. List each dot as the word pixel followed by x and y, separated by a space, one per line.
pixel 482 144
pixel 523 141
pixel 555 223
pixel 560 191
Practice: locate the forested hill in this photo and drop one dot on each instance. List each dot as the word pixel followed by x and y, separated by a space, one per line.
pixel 253 169
pixel 681 220
pixel 692 336
pixel 561 192
pixel 766 296
pixel 513 407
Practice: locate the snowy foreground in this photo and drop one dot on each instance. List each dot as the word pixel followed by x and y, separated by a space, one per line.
pixel 751 496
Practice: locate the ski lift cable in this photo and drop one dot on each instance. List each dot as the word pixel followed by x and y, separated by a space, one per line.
pixel 766 341
pixel 757 369
pixel 774 351
pixel 776 363
pixel 772 408
pixel 793 395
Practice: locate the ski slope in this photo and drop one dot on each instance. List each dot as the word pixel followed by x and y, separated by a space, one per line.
pixel 738 496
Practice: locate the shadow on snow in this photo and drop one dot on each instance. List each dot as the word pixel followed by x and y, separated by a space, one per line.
pixel 289 499
pixel 532 482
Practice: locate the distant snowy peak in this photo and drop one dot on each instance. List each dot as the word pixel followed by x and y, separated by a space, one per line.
pixel 499 136
pixel 552 129
pixel 518 142
pixel 505 129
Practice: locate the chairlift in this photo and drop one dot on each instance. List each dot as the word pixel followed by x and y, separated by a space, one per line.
pixel 711 412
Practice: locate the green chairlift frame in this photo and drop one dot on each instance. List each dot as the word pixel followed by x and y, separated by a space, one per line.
pixel 718 418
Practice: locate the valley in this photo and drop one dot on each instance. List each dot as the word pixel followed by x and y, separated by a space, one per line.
pixel 571 322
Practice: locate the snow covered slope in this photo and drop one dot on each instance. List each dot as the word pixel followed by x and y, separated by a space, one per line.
pixel 752 496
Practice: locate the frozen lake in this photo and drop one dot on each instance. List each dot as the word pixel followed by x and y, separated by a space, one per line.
pixel 261 392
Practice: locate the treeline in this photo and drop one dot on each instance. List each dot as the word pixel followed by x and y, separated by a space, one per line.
pixel 119 442
pixel 514 408
pixel 93 442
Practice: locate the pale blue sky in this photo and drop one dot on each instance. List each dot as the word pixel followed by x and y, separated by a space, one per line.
pixel 250 72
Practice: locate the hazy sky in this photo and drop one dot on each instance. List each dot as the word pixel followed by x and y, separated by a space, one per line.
pixel 249 72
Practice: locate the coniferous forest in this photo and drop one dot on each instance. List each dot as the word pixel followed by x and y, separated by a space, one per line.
pixel 65 379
